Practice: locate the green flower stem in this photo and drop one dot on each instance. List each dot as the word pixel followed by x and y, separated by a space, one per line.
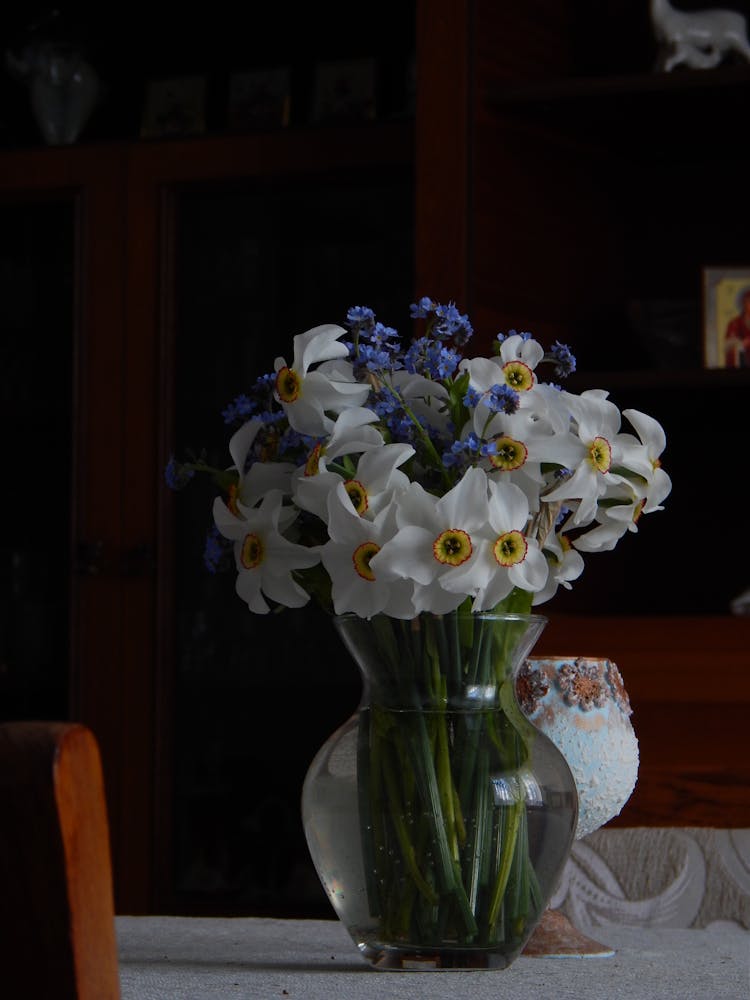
pixel 448 859
pixel 509 833
pixel 523 866
pixel 425 440
pixel 422 758
pixel 477 849
pixel 396 813
pixel 445 784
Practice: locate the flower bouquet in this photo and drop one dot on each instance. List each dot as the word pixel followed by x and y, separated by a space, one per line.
pixel 428 501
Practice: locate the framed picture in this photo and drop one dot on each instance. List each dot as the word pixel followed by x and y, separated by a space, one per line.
pixel 344 91
pixel 259 99
pixel 175 107
pixel 726 317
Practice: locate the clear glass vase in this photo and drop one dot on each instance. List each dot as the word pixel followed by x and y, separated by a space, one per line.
pixel 438 818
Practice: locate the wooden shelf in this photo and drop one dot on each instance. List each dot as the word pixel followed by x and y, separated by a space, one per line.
pixel 663 657
pixel 637 115
pixel 653 378
pixel 689 687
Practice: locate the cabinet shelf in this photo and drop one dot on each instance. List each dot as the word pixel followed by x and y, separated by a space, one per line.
pixel 674 113
pixel 654 378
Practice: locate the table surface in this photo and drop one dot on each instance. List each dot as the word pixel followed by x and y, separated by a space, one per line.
pixel 201 958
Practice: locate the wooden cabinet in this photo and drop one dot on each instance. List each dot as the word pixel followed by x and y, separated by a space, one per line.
pixel 582 194
pixel 162 322
pixel 542 184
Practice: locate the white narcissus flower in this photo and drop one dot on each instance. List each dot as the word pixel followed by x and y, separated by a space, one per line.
pixel 446 483
pixel 623 511
pixel 434 539
pixel 640 490
pixel 506 557
pixel 598 424
pixel 372 485
pixel 261 476
pixel 522 444
pixel 306 396
pixel 564 565
pixel 347 556
pixel 654 441
pixel 265 560
pixel 513 367
pixel 352 433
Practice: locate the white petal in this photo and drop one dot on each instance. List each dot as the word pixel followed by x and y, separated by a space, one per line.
pixel 282 589
pixel 247 586
pixel 241 442
pixel 408 555
pixel 265 476
pixel 321 343
pixel 375 468
pixel 650 431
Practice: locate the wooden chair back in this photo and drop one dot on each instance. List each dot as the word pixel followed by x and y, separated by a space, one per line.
pixel 57 931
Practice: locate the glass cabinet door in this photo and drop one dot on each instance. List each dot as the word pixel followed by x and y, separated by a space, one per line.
pixel 254 696
pixel 37 296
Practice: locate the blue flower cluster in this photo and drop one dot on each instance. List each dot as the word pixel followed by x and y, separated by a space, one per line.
pixel 177 474
pixel 373 346
pixel 445 322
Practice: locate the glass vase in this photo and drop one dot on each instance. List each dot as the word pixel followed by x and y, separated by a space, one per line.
pixel 438 818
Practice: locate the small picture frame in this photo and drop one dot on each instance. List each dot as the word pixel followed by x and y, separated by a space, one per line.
pixel 726 317
pixel 259 99
pixel 344 91
pixel 174 107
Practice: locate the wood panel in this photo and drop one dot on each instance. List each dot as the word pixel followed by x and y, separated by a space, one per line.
pixel 442 153
pixel 99 672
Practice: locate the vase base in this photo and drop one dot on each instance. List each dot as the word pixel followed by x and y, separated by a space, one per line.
pixel 556 937
pixel 392 958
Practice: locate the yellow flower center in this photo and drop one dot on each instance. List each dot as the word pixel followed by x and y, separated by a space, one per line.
pixel 288 385
pixel 600 454
pixel 357 495
pixel 361 559
pixel 452 547
pixel 312 464
pixel 518 375
pixel 509 454
pixel 510 548
pixel 232 500
pixel 253 551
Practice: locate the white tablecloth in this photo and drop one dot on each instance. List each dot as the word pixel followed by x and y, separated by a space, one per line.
pixel 198 958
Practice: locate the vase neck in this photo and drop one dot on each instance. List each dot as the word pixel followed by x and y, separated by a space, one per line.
pixel 455 662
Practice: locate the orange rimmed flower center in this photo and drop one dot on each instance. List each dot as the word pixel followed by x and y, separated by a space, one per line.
pixel 253 551
pixel 312 465
pixel 509 454
pixel 452 547
pixel 361 558
pixel 510 548
pixel 232 499
pixel 288 384
pixel 518 375
pixel 357 495
pixel 600 454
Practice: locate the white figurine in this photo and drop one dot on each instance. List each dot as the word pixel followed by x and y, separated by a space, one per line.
pixel 701 38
